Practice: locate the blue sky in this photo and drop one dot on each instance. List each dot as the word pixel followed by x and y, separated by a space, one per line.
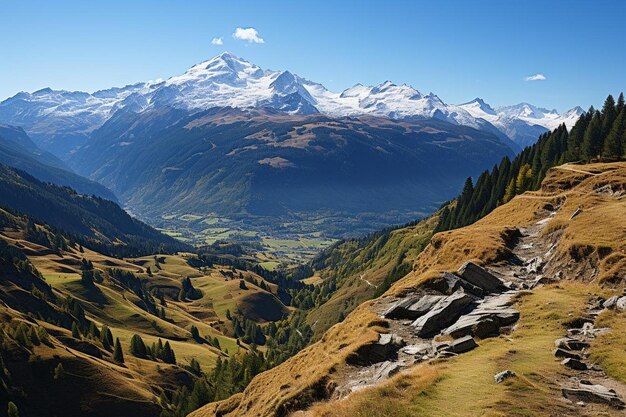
pixel 456 49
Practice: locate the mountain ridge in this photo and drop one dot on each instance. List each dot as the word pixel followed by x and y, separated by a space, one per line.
pixel 60 120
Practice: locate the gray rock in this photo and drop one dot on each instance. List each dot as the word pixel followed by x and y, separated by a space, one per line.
pixel 574 364
pixel 563 353
pixel 461 345
pixel 386 370
pixel 385 349
pixel 412 307
pixel 446 284
pixel 610 303
pixel 620 304
pixel 487 318
pixel 500 377
pixel 480 277
pixel 443 314
pixel 590 393
pixel 417 350
pixel 570 343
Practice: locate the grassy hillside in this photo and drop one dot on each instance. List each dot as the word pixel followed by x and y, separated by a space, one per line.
pixel 58 303
pixel 89 219
pixel 356 270
pixel 590 263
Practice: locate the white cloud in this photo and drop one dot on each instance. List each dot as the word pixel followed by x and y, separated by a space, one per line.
pixel 217 41
pixel 536 77
pixel 249 35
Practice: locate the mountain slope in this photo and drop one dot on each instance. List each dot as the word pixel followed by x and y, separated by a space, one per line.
pixel 61 121
pixel 447 387
pixel 65 308
pixel 18 151
pixel 91 219
pixel 261 162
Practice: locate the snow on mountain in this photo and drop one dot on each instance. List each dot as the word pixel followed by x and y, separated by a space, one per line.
pixel 522 122
pixel 226 80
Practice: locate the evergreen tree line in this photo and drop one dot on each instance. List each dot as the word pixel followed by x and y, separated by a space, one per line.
pixel 598 135
pixel 158 350
pixel 246 330
pixel 228 377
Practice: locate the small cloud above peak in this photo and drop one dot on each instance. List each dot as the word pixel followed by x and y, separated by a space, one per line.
pixel 217 41
pixel 536 77
pixel 249 35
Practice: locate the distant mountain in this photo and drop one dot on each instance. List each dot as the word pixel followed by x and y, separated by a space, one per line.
pixel 261 162
pixel 101 223
pixel 19 151
pixel 522 123
pixel 61 121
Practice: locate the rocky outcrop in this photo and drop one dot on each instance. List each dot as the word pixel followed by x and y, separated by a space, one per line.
pixel 480 277
pixel 574 364
pixel 443 314
pixel 386 348
pixel 461 345
pixel 487 318
pixel 591 393
pixel 563 353
pixel 412 307
pixel 570 343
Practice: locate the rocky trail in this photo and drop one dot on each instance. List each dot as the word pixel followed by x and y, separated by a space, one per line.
pixel 443 318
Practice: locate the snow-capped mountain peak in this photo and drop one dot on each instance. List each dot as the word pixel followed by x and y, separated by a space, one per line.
pixel 478 108
pixel 227 80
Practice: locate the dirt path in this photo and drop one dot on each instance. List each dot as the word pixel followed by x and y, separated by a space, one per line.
pixel 531 256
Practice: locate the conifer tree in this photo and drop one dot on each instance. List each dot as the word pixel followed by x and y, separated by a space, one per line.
pixel 592 141
pixel 137 346
pixel 620 104
pixel 106 337
pixel 608 115
pixel 613 145
pixel 118 355
pixel 168 355
pixel 75 331
pixel 59 372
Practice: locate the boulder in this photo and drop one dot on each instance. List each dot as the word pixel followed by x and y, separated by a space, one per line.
pixel 487 318
pixel 570 343
pixel 620 304
pixel 563 353
pixel 412 307
pixel 417 350
pixel 610 303
pixel 591 393
pixel 461 345
pixel 500 377
pixel 574 364
pixel 443 314
pixel 480 277
pixel 398 309
pixel 446 284
pixel 386 348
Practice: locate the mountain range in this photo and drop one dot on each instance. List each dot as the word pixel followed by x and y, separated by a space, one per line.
pixel 61 121
pixel 243 163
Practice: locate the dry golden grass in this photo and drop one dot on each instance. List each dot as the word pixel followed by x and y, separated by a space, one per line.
pixel 464 386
